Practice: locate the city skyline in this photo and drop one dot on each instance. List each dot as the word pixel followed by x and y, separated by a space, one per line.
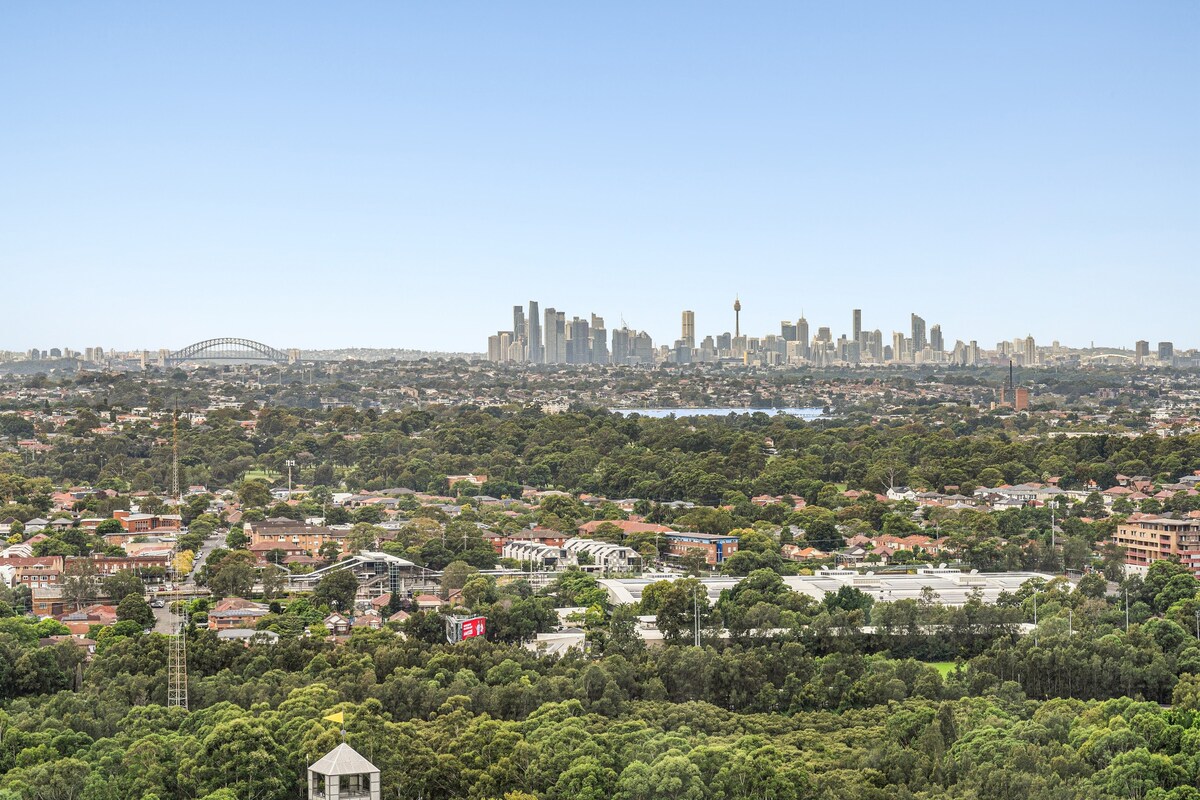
pixel 795 341
pixel 1008 168
pixel 871 343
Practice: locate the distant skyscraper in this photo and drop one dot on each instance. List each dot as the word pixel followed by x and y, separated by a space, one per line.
pixel 737 318
pixel 787 331
pixel 689 329
pixel 1166 351
pixel 560 327
pixel 551 334
pixel 599 341
pixel 1141 349
pixel 579 342
pixel 518 330
pixel 643 348
pixel 533 334
pixel 858 326
pixel 802 337
pixel 935 339
pixel 621 346
pixel 1030 351
pixel 918 334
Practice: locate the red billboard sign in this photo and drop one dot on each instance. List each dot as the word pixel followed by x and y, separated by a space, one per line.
pixel 475 626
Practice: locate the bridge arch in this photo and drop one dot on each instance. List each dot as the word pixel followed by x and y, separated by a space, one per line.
pixel 229 349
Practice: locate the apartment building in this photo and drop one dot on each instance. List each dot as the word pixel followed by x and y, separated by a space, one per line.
pixel 1153 539
pixel 715 548
pixel 283 532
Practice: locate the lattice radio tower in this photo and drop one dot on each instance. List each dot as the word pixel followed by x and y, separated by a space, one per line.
pixel 177 693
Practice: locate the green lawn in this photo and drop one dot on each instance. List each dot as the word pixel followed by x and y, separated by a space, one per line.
pixel 262 475
pixel 944 668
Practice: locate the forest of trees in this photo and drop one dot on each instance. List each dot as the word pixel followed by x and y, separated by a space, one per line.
pixel 1084 709
pixel 698 460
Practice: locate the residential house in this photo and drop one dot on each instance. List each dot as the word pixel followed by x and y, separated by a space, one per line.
pixel 427 602
pixel 235 612
pixel 796 553
pixel 80 622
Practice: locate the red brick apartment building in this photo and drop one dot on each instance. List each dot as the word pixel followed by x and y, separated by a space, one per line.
pixel 715 548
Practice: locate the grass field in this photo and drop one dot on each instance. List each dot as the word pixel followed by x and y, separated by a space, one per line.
pixel 262 475
pixel 944 668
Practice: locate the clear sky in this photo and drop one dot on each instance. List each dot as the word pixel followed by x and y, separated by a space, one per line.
pixel 401 174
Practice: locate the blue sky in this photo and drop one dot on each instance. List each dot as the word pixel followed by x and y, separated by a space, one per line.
pixel 395 175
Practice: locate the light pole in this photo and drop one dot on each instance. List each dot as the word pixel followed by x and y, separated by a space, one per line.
pixel 290 463
pixel 696 611
pixel 1052 542
pixel 1035 628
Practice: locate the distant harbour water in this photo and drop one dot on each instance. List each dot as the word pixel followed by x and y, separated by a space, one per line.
pixel 804 413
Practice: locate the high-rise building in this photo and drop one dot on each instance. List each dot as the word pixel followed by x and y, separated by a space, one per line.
pixel 579 342
pixel 1141 349
pixel 936 342
pixel 621 346
pixel 599 337
pixel 899 351
pixel 550 337
pixel 857 326
pixel 724 342
pixel 802 336
pixel 533 334
pixel 918 334
pixel 643 348
pixel 518 330
pixel 877 346
pixel 737 317
pixel 1166 351
pixel 1029 351
pixel 787 331
pixel 688 332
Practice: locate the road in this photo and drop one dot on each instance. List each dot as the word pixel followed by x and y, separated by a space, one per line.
pixel 164 619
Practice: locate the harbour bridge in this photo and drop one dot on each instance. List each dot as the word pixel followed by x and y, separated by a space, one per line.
pixel 232 351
